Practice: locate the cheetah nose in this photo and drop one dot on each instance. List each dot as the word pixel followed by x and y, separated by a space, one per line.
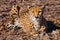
pixel 36 17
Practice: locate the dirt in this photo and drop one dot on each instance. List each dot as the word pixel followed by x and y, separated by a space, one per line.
pixel 51 14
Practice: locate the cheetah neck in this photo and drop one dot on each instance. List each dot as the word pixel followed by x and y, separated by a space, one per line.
pixel 16 23
pixel 16 20
pixel 35 21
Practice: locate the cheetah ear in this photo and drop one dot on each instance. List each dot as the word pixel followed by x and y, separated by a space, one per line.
pixel 29 7
pixel 41 6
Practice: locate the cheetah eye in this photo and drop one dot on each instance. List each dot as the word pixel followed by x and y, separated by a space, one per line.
pixel 14 9
pixel 32 11
pixel 14 14
pixel 39 11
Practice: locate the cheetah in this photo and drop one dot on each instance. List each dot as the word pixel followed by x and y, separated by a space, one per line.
pixel 13 16
pixel 36 12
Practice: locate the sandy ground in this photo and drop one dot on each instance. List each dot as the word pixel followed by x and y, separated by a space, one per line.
pixel 51 14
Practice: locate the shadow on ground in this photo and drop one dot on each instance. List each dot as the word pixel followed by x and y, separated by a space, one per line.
pixel 51 26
